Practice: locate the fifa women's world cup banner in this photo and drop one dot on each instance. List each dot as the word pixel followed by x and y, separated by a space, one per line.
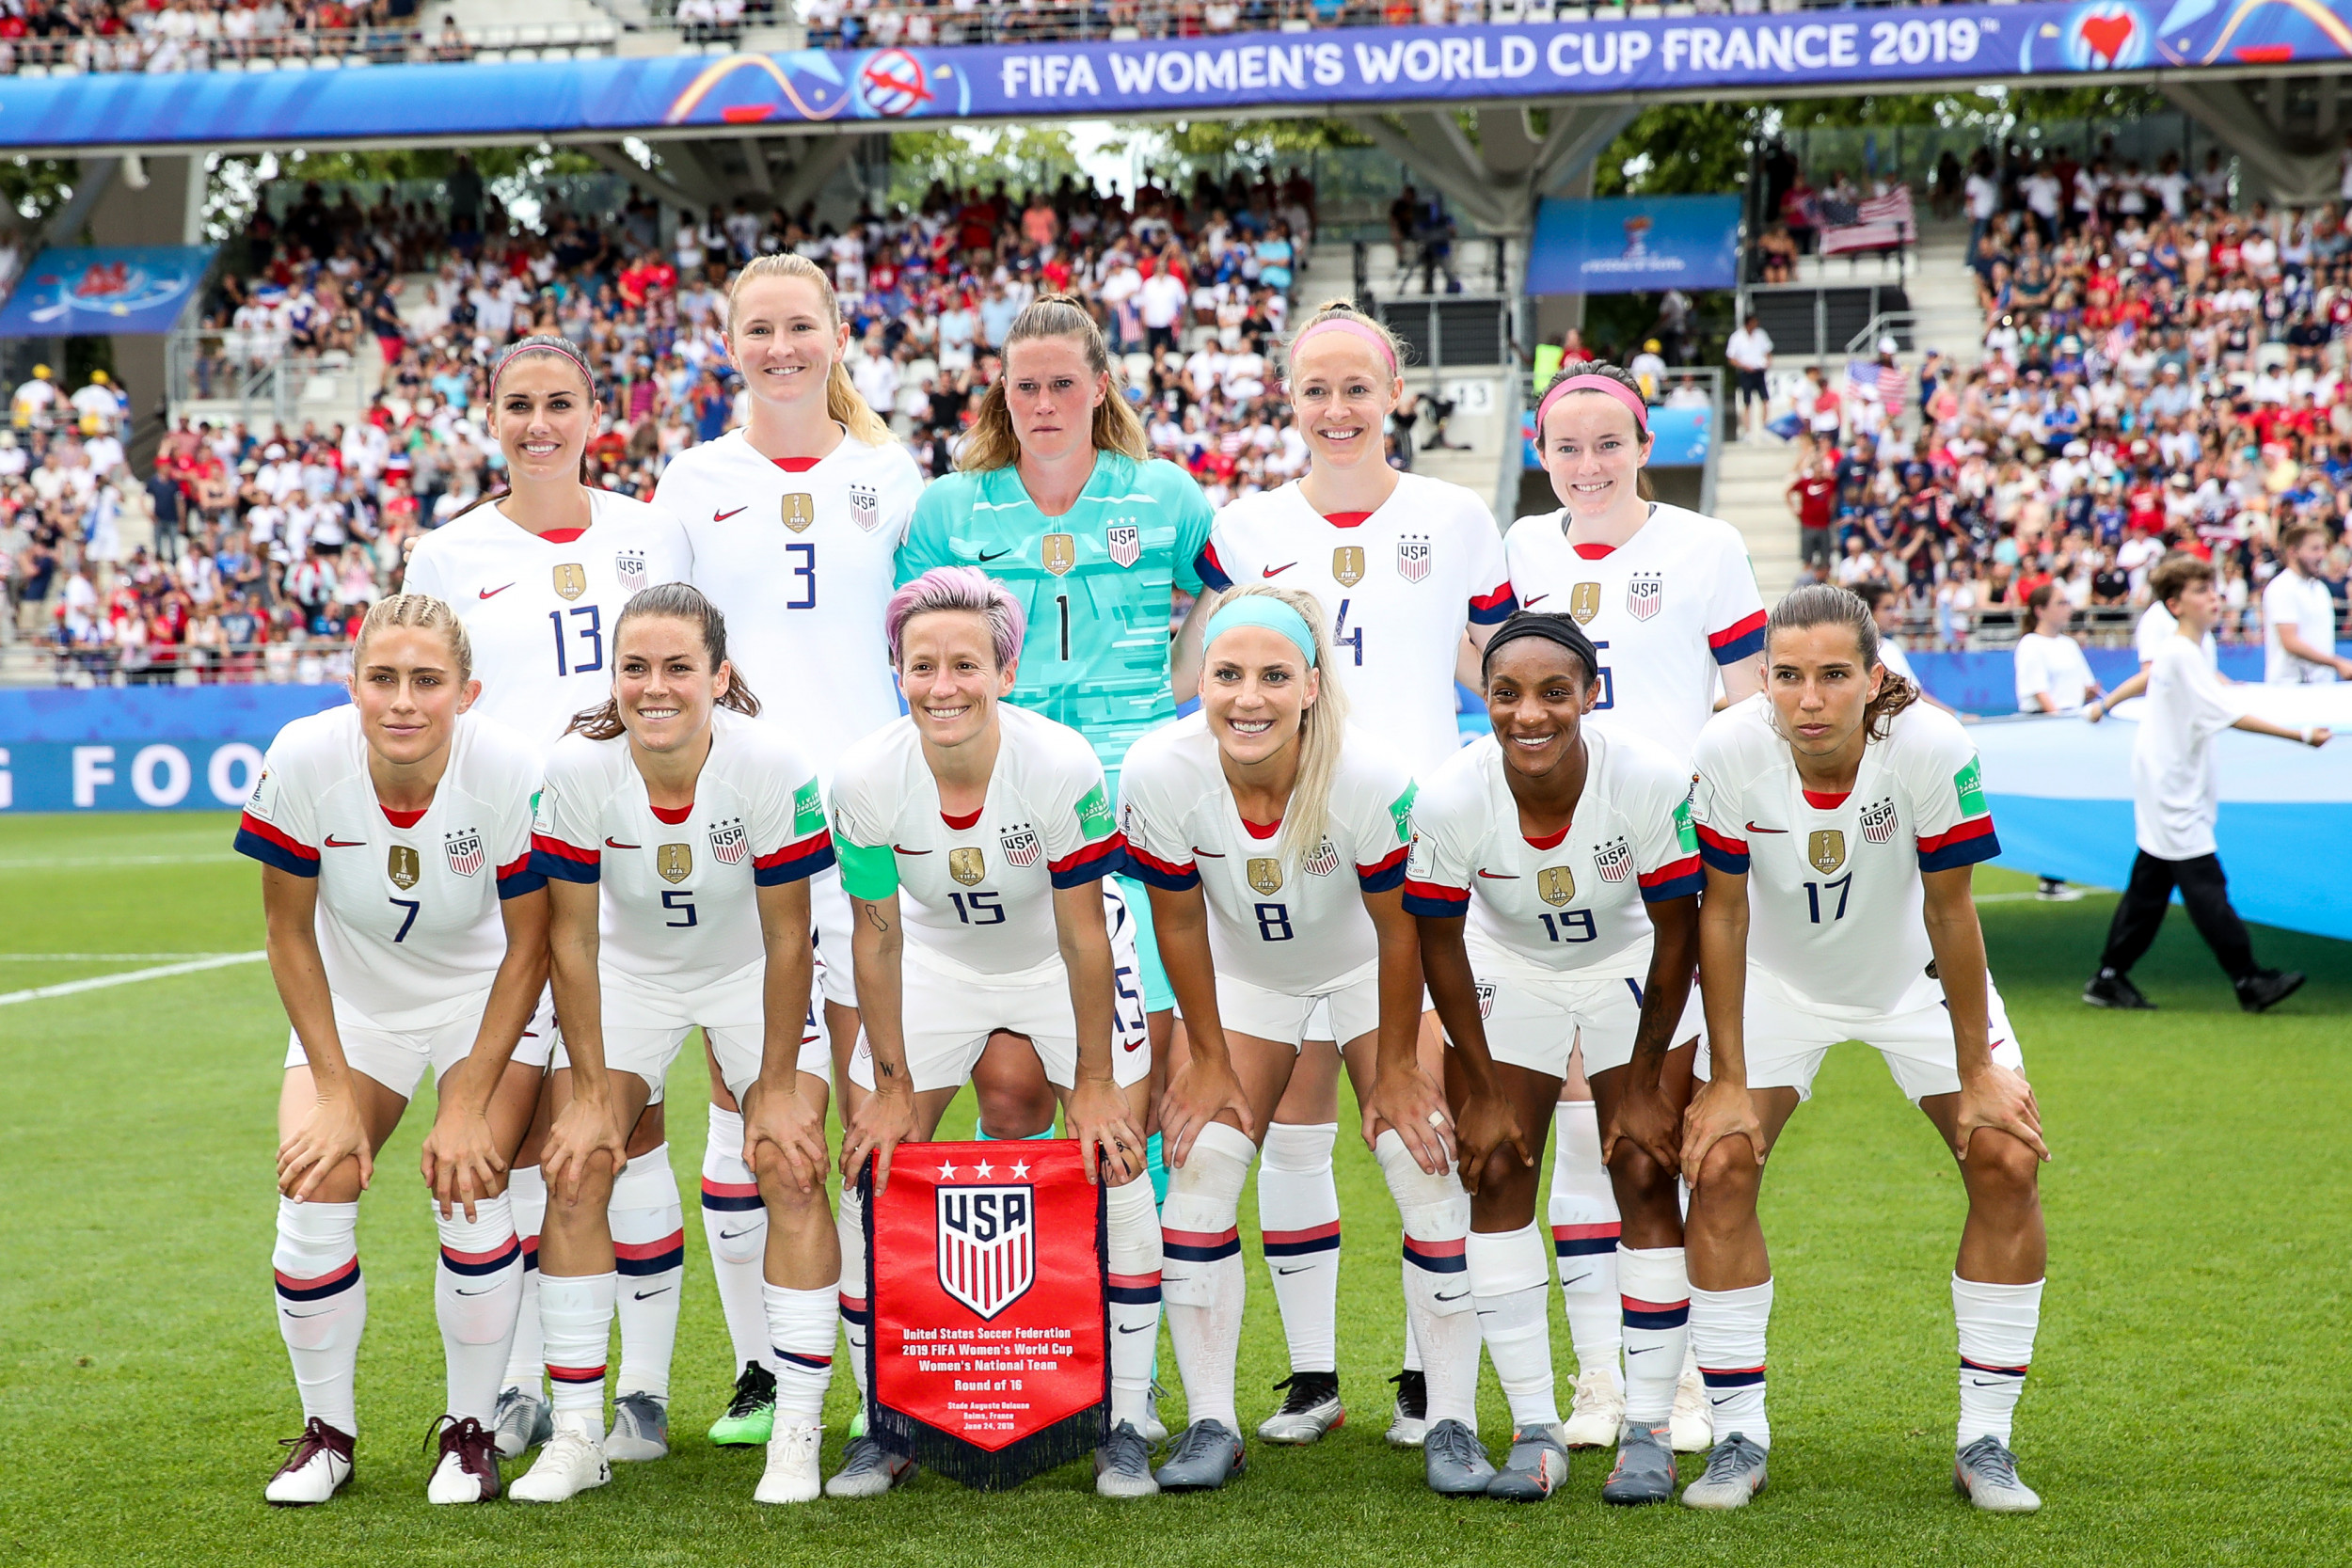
pixel 1776 54
pixel 989 1354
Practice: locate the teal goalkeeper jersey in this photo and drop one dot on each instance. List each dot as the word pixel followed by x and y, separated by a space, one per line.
pixel 1097 581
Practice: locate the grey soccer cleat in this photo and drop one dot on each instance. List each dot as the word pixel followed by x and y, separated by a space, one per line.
pixel 1153 1431
pixel 1539 1464
pixel 1645 1467
pixel 1735 1474
pixel 641 1429
pixel 868 1470
pixel 1985 1473
pixel 1310 1408
pixel 521 1421
pixel 1453 1461
pixel 1207 1456
pixel 1122 1465
pixel 1409 1423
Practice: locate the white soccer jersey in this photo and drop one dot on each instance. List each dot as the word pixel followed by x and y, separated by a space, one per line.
pixel 541 609
pixel 1667 609
pixel 977 891
pixel 1397 585
pixel 1834 890
pixel 801 557
pixel 679 910
pixel 1285 927
pixel 2176 785
pixel 1577 902
pixel 408 906
pixel 2304 603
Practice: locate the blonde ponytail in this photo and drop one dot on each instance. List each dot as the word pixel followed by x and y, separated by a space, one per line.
pixel 1322 729
pixel 844 402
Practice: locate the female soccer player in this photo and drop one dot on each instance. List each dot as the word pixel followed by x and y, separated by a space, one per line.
pixel 540 572
pixel 974 838
pixel 1410 575
pixel 795 523
pixel 1670 601
pixel 678 838
pixel 1570 858
pixel 406 931
pixel 1847 819
pixel 1247 820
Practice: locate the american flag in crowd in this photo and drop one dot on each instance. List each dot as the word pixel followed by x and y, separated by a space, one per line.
pixel 1868 377
pixel 1878 223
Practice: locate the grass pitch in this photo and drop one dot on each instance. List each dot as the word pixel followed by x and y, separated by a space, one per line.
pixel 2184 1408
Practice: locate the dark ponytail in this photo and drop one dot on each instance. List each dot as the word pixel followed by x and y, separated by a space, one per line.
pixel 670 601
pixel 1822 604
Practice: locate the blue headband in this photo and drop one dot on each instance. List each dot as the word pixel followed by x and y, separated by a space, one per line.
pixel 1263 610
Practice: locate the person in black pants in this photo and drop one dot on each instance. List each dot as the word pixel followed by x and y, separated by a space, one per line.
pixel 2175 800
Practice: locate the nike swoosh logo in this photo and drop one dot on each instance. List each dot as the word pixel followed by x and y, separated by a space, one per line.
pixel 1498 876
pixel 1720 1398
pixel 320 1313
pixel 1578 1281
pixel 1753 829
pixel 646 1295
pixel 1528 603
pixel 1208 854
pixel 738 1235
pixel 1124 1329
pixel 1286 1273
pixel 722 516
pixel 1643 1351
pixel 999 555
pixel 483 1291
pixel 1276 571
pixel 494 592
pixel 903 849
pixel 612 843
pixel 334 843
pixel 1456 1296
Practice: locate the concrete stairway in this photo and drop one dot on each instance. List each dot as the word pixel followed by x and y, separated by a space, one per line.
pixel 1750 485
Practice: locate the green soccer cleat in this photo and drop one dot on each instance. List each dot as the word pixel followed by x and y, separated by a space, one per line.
pixel 751 1415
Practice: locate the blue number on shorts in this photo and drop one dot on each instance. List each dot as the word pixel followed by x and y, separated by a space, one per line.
pixel 592 634
pixel 1813 892
pixel 412 906
pixel 806 572
pixel 1274 922
pixel 671 900
pixel 1343 637
pixel 1608 697
pixel 979 909
pixel 1563 927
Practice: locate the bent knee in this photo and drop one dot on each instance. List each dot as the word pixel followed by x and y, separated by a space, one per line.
pixel 2001 1161
pixel 1731 1164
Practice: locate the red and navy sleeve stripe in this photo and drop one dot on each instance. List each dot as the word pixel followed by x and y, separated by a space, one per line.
pixel 1739 640
pixel 1091 862
pixel 1212 570
pixel 1389 873
pixel 554 861
pixel 1675 879
pixel 517 877
pixel 1167 876
pixel 794 862
pixel 270 846
pixel 1727 855
pixel 1965 845
pixel 1487 610
pixel 1436 901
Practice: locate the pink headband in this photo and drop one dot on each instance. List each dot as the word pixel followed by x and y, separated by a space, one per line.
pixel 530 345
pixel 1619 389
pixel 1354 329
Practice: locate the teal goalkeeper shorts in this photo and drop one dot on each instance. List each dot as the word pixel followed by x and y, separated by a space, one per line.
pixel 1158 995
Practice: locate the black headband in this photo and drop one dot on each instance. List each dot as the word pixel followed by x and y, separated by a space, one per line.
pixel 1562 629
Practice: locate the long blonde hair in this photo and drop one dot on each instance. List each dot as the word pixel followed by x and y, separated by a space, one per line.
pixel 425 613
pixel 1117 427
pixel 843 400
pixel 1322 729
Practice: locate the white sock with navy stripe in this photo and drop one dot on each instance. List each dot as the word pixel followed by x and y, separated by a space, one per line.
pixel 1200 1268
pixel 735 1223
pixel 476 1288
pixel 1299 1221
pixel 857 1320
pixel 1997 1325
pixel 322 1306
pixel 1437 1303
pixel 1656 1287
pixel 1727 1337
pixel 801 1332
pixel 1133 1226
pixel 1510 1281
pixel 1584 1226
pixel 649 1251
pixel 526 1354
pixel 576 1320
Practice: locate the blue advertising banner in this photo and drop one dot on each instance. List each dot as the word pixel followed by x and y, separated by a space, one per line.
pixel 143 748
pixel 1682 436
pixel 1624 245
pixel 1778 54
pixel 82 291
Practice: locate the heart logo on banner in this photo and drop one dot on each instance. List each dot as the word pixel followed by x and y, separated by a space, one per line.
pixel 2107 35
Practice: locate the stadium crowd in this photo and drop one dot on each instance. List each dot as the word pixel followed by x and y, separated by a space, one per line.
pixel 91 35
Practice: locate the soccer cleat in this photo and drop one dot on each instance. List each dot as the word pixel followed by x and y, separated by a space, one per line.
pixel 2053 890
pixel 752 1413
pixel 792 1476
pixel 1311 1409
pixel 1735 1474
pixel 868 1470
pixel 1454 1462
pixel 1538 1463
pixel 1597 1412
pixel 2112 988
pixel 1694 1419
pixel 522 1421
pixel 2266 989
pixel 467 1470
pixel 318 1468
pixel 1122 1465
pixel 1207 1456
pixel 1411 1423
pixel 641 1429
pixel 570 1462
pixel 1153 1431
pixel 1985 1473
pixel 1645 1467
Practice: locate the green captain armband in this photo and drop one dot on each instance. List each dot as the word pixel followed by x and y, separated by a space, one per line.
pixel 869 874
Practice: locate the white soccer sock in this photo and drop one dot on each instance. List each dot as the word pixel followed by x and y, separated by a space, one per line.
pixel 1133 1223
pixel 1511 1282
pixel 322 1306
pixel 799 1329
pixel 1656 1287
pixel 735 1223
pixel 576 1320
pixel 476 1288
pixel 1584 1214
pixel 526 1354
pixel 650 1250
pixel 1727 1337
pixel 1438 1301
pixel 1200 1268
pixel 1299 1221
pixel 1996 1330
pixel 857 1318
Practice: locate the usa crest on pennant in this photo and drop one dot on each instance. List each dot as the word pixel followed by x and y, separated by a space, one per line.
pixel 987 1245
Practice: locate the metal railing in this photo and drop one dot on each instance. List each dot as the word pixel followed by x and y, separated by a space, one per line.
pixel 297 49
pixel 304 661
pixel 249 376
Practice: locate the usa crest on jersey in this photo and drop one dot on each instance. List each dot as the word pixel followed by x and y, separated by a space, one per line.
pixel 629 566
pixel 1325 861
pixel 1644 595
pixel 1877 822
pixel 1020 845
pixel 1613 861
pixel 1486 999
pixel 729 841
pixel 1413 553
pixel 464 851
pixel 987 1245
pixel 864 508
pixel 1125 543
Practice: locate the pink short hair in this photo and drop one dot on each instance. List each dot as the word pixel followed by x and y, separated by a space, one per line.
pixel 963 588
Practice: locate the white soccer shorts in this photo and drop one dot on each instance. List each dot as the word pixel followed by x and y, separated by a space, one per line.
pixel 1532 1020
pixel 1786 1037
pixel 645 1028
pixel 1352 1004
